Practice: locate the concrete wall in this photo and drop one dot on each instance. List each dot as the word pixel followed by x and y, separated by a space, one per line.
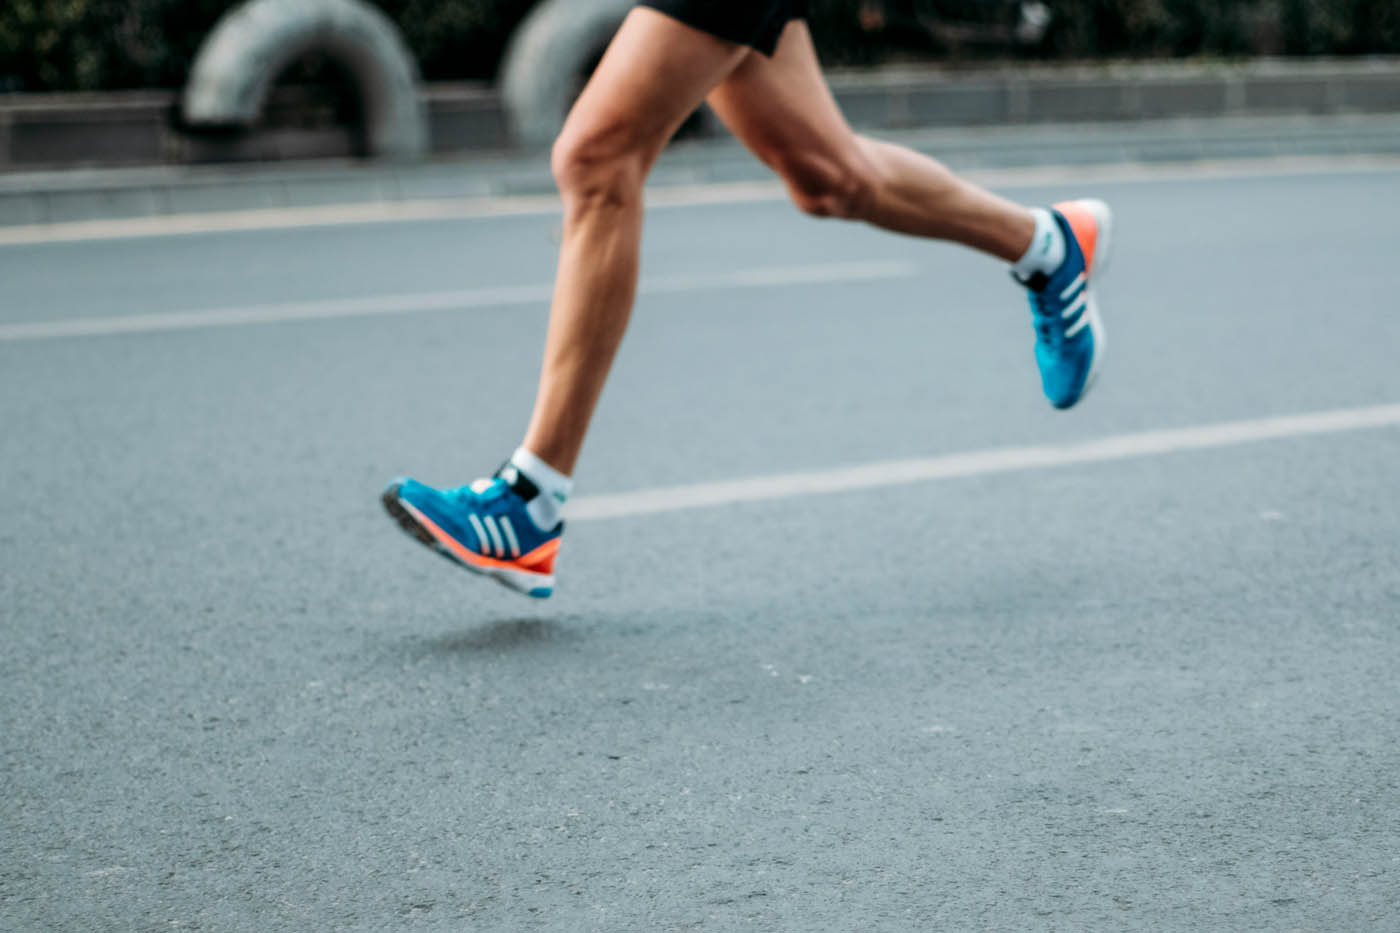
pixel 142 128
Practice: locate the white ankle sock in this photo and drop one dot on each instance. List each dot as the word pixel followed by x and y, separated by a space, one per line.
pixel 1047 252
pixel 554 488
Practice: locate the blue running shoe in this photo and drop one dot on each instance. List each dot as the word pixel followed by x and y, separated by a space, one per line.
pixel 484 527
pixel 1069 337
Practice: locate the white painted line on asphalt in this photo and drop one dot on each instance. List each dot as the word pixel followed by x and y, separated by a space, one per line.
pixel 661 196
pixel 979 463
pixel 469 299
pixel 278 218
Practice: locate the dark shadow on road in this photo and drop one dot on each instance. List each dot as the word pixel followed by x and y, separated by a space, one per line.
pixel 505 635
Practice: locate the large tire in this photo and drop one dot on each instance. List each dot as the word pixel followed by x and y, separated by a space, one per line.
pixel 548 56
pixel 256 41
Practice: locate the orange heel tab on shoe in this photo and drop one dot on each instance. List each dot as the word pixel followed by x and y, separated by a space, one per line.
pixel 1085 227
pixel 541 559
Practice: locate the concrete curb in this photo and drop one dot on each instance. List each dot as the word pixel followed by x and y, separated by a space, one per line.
pixel 1045 94
pixel 60 197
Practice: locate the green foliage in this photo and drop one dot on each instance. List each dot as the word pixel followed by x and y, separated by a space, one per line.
pixel 109 44
pixel 1086 29
pixel 457 39
pixel 1341 26
pixel 1228 27
pixel 96 44
pixel 1155 27
pixel 81 45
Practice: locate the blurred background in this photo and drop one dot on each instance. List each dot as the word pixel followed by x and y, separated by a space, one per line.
pixel 98 45
pixel 93 82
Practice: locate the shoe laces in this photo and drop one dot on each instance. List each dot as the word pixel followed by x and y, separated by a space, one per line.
pixel 1045 309
pixel 481 491
pixel 1046 312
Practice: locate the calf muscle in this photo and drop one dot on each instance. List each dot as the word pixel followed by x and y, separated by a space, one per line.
pixel 654 74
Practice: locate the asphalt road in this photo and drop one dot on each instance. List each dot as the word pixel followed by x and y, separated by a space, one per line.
pixel 1153 693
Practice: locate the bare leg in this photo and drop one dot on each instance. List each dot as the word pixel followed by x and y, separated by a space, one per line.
pixel 655 73
pixel 782 110
pixel 918 195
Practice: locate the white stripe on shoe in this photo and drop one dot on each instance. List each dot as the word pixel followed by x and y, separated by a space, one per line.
pixel 509 530
pixel 1079 325
pixel 1078 282
pixel 480 535
pixel 495 535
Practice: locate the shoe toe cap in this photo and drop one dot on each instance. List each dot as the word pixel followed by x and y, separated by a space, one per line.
pixel 421 496
pixel 1064 376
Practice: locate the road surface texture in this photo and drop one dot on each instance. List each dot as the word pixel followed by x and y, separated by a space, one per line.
pixel 966 663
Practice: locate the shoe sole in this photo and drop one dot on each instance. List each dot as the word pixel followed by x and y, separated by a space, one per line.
pixel 1103 255
pixel 423 530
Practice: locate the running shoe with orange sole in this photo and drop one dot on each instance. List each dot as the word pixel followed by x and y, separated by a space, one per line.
pixel 484 527
pixel 1069 335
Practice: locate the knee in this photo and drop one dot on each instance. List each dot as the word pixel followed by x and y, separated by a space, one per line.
pixel 596 169
pixel 830 186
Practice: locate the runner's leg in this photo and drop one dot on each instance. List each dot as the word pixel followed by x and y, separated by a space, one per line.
pixel 656 71
pixel 654 74
pixel 782 109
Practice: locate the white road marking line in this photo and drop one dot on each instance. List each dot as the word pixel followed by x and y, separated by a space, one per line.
pixel 978 463
pixel 661 196
pixel 501 297
pixel 279 218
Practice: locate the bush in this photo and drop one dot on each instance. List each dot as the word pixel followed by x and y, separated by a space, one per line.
pixel 457 39
pixel 91 44
pixel 1349 27
pixel 109 44
pixel 80 45
pixel 1087 29
pixel 1229 27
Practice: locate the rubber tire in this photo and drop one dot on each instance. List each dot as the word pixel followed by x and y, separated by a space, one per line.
pixel 547 58
pixel 254 42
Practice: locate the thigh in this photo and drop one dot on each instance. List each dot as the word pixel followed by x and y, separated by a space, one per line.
pixel 781 107
pixel 653 75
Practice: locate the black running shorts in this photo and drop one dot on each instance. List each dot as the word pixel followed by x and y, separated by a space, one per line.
pixel 755 23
